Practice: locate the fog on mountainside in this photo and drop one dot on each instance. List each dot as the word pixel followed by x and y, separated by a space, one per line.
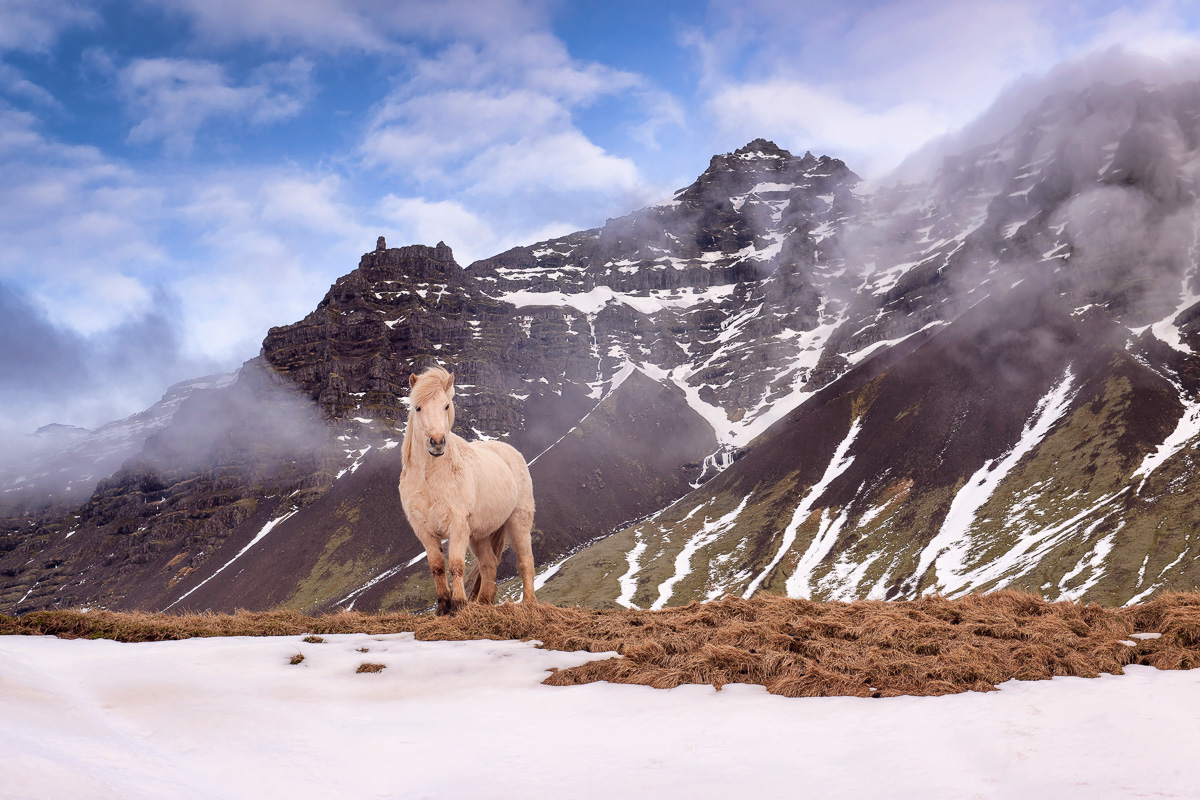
pixel 50 375
pixel 1116 66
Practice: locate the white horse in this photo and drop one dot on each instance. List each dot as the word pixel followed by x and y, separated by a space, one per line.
pixel 476 494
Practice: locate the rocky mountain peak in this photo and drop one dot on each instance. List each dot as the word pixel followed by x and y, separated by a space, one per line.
pixel 762 148
pixel 415 260
pixel 761 166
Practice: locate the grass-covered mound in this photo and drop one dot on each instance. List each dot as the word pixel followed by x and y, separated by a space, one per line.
pixel 797 648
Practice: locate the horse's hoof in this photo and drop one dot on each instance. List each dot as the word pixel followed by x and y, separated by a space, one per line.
pixel 444 607
pixel 456 606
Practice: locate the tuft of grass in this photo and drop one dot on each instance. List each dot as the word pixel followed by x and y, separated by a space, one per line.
pixel 365 667
pixel 798 648
pixel 296 659
pixel 314 639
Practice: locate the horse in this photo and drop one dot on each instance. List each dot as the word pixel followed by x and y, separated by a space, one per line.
pixel 478 495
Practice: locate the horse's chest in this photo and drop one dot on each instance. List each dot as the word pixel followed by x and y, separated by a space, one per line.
pixel 435 505
pixel 481 492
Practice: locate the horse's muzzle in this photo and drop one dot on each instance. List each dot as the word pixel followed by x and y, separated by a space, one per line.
pixel 436 447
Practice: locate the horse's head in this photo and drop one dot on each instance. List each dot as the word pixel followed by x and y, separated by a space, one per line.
pixel 431 408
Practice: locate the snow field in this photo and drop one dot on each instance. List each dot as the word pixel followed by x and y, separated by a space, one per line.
pixel 231 718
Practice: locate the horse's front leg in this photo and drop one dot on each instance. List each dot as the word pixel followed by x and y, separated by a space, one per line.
pixel 460 535
pixel 437 566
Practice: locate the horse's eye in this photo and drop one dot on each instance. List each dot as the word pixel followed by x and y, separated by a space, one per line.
pixel 447 406
pixel 418 408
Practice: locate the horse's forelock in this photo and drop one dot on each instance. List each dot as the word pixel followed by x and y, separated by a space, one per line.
pixel 428 384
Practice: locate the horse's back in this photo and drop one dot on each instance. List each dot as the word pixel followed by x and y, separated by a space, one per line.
pixel 512 459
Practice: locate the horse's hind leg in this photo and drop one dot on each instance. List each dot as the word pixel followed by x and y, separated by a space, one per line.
pixel 473 579
pixel 486 550
pixel 487 559
pixel 517 531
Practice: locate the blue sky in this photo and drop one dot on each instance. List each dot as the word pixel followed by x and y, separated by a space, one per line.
pixel 176 176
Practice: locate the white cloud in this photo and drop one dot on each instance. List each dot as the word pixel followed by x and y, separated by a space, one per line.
pixel 174 98
pixel 482 117
pixel 431 135
pixel 1155 29
pixel 310 203
pixel 560 163
pixel 91 240
pixel 269 243
pixel 34 25
pixel 94 299
pixel 16 85
pixel 901 74
pixel 78 229
pixel 494 122
pixel 807 117
pixel 369 25
pixel 418 220
pixel 663 111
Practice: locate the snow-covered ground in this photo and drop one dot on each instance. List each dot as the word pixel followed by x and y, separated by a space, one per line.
pixel 232 718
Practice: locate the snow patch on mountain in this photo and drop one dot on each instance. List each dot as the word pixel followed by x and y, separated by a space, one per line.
pixel 797 584
pixel 708 533
pixel 258 537
pixel 1187 429
pixel 950 549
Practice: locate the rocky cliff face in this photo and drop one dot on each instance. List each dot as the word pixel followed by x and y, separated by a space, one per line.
pixel 986 379
pixel 728 290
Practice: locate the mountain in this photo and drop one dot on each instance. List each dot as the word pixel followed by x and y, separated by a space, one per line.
pixel 1022 404
pixel 777 380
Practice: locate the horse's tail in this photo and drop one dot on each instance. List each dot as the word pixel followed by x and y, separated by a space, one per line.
pixel 495 543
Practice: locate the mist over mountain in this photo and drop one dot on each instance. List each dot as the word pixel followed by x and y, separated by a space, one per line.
pixel 779 379
pixel 53 375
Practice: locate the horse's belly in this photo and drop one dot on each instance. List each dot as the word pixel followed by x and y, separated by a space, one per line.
pixel 495 497
pixel 488 517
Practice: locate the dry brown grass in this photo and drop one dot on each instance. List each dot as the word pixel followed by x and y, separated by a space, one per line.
pixel 797 648
pixel 138 626
pixel 368 667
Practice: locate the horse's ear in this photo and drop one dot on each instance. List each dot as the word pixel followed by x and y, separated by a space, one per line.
pixel 412 379
pixel 450 386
